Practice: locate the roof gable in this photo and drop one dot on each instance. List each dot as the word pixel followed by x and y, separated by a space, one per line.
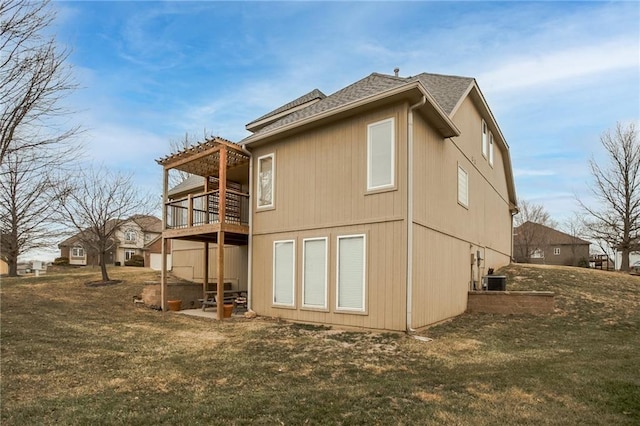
pixel 552 236
pixel 311 97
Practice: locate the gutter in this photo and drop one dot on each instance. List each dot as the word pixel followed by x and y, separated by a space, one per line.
pixel 410 210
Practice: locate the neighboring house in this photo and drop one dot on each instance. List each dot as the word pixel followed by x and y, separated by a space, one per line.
pixel 4 267
pixel 134 236
pixel 379 206
pixel 536 243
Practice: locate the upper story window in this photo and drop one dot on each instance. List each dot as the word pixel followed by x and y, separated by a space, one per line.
pixel 556 251
pixel 130 235
pixel 491 149
pixel 380 155
pixel 77 252
pixel 485 138
pixel 463 187
pixel 266 180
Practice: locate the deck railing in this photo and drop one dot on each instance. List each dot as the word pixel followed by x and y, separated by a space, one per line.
pixel 203 209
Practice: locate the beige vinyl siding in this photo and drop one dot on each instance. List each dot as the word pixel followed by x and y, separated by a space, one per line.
pixel 188 262
pixel 322 177
pixel 321 192
pixel 446 233
pixel 385 277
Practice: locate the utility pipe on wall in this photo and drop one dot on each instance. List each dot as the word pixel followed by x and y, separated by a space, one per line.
pixel 410 210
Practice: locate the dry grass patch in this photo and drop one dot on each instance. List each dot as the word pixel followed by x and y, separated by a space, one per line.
pixel 78 355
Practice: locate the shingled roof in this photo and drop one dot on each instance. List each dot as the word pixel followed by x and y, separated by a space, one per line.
pixel 552 236
pixel 314 95
pixel 446 90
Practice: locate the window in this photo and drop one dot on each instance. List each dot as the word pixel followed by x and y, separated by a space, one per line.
pixel 351 273
pixel 491 149
pixel 77 252
pixel 266 172
pixel 314 274
pixel 556 251
pixel 484 138
pixel 463 187
pixel 283 272
pixel 130 235
pixel 537 254
pixel 380 155
pixel 128 254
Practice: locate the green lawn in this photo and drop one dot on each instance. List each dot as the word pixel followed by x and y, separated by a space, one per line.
pixel 78 355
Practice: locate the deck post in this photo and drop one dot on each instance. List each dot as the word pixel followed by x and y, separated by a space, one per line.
pixel 223 185
pixel 205 273
pixel 220 272
pixel 163 276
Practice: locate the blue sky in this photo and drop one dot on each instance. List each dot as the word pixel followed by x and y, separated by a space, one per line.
pixel 555 74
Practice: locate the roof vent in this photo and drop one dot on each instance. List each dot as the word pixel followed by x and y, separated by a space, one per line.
pixel 396 71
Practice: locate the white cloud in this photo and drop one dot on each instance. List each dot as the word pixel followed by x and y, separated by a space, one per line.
pixel 562 66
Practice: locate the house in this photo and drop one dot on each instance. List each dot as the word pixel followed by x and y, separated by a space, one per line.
pixel 536 243
pixel 379 206
pixel 4 266
pixel 133 236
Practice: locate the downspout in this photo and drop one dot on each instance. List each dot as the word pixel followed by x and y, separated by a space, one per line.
pixel 410 210
pixel 250 241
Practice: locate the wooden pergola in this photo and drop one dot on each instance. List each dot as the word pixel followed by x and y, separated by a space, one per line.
pixel 222 216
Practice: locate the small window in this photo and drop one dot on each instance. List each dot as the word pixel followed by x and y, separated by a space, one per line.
pixel 77 252
pixel 556 251
pixel 130 235
pixel 128 254
pixel 266 173
pixel 283 273
pixel 484 139
pixel 380 155
pixel 351 273
pixel 463 187
pixel 314 274
pixel 491 149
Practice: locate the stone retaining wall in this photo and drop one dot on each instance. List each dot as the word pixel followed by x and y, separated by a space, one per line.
pixel 511 302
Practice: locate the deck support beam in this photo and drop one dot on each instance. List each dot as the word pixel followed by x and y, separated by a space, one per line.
pixel 205 272
pixel 220 272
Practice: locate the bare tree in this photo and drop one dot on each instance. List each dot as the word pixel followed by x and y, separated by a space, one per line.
pixel 33 79
pixel 528 239
pixel 96 203
pixel 617 190
pixel 26 200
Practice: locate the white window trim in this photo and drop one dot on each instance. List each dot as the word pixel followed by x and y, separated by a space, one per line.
pixel 464 203
pixel 293 274
pixel 484 138
pixel 364 274
pixel 77 249
pixel 273 183
pixel 491 149
pixel 326 272
pixel 392 184
pixel 132 233
pixel 131 251
pixel 556 251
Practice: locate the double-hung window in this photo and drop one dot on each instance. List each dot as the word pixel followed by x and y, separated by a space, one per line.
pixel 266 180
pixel 351 276
pixel 463 187
pixel 314 274
pixel 77 252
pixel 380 155
pixel 284 259
pixel 130 235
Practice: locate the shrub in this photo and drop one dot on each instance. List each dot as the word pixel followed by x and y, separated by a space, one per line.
pixel 61 261
pixel 136 260
pixel 583 263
